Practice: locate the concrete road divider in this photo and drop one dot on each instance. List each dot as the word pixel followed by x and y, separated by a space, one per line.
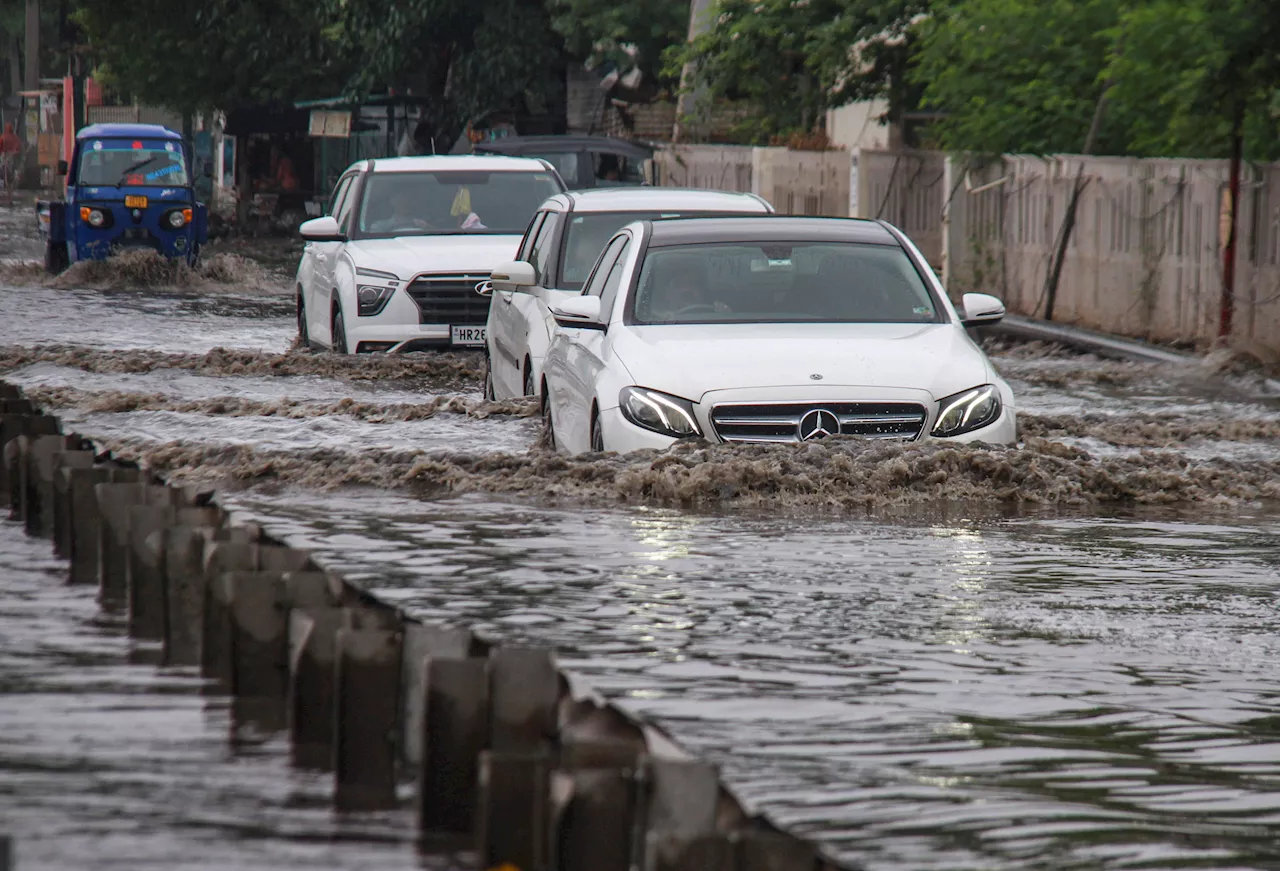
pixel 501 745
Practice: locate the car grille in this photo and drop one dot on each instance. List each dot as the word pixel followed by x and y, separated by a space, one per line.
pixel 781 421
pixel 450 299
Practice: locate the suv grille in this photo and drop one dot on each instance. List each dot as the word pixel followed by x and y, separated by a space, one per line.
pixel 450 299
pixel 781 421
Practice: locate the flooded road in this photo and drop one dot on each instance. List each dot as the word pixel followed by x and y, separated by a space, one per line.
pixel 1058 656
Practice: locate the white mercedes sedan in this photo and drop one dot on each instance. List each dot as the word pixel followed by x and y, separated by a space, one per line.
pixel 765 330
pixel 398 262
pixel 566 236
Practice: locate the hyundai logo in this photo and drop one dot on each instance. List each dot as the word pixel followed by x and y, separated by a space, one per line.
pixel 818 423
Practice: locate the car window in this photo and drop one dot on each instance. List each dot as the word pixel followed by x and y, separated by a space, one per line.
pixel 595 284
pixel 609 292
pixel 614 169
pixel 526 243
pixel 542 248
pixel 452 202
pixel 339 192
pixel 346 207
pixel 565 162
pixel 782 282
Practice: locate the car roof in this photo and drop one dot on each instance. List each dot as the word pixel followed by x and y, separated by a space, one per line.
pixel 647 199
pixel 518 144
pixel 493 163
pixel 127 131
pixel 768 228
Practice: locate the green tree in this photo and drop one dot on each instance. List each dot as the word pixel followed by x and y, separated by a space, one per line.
pixel 629 34
pixel 794 59
pixel 214 53
pixel 463 59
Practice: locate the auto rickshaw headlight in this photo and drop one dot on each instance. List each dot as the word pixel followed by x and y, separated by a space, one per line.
pixel 95 218
pixel 178 218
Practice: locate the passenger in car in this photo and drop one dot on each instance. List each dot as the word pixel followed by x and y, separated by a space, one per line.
pixel 402 214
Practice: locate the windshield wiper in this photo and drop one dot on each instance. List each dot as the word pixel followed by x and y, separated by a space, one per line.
pixel 135 168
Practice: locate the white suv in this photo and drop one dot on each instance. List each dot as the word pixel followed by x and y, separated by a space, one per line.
pixel 562 244
pixel 395 264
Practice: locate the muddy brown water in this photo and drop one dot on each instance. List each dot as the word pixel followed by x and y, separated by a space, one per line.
pixel 1022 679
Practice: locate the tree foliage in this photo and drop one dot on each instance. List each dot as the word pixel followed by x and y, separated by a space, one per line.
pixel 215 53
pixel 794 59
pixel 629 34
pixel 1025 75
pixel 465 59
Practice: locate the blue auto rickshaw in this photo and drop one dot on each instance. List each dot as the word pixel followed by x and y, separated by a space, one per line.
pixel 128 186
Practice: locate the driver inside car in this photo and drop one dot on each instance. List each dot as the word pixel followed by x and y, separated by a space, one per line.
pixel 684 294
pixel 403 215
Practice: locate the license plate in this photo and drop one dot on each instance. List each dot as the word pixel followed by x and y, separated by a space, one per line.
pixel 135 202
pixel 467 335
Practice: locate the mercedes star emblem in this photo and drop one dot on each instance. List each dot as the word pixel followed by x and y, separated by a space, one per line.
pixel 815 377
pixel 818 423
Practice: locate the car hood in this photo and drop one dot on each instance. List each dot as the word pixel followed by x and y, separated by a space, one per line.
pixel 413 255
pixel 691 360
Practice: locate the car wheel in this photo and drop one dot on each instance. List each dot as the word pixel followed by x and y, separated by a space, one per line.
pixel 597 434
pixel 489 393
pixel 304 338
pixel 55 258
pixel 529 389
pixel 548 429
pixel 339 333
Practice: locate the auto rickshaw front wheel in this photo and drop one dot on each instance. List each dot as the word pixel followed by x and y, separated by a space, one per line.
pixel 56 260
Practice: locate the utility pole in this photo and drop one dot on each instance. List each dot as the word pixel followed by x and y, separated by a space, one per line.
pixel 690 93
pixel 31 82
pixel 1227 314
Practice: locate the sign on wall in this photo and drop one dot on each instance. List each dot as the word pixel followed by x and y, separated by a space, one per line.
pixel 330 124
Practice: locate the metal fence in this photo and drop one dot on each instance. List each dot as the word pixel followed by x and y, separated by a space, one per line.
pixel 133 115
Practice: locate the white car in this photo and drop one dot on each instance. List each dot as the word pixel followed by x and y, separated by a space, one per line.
pixel 396 263
pixel 767 329
pixel 562 244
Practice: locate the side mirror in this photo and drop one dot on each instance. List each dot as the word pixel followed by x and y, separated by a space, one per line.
pixel 62 167
pixel 579 312
pixel 516 275
pixel 321 230
pixel 981 310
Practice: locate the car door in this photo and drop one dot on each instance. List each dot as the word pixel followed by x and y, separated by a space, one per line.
pixel 585 351
pixel 503 323
pixel 530 323
pixel 323 256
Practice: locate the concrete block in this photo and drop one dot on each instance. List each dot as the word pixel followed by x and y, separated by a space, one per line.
pixel 455 732
pixel 85 517
pixel 772 851
pixel 10 391
pixel 514 809
pixel 595 816
pixel 186 588
pixel 62 511
pixel 42 458
pixel 670 852
pixel 420 642
pixel 312 697
pixel 367 719
pixel 144 576
pixel 259 649
pixel 683 797
pixel 524 689
pixel 114 501
pixel 220 558
pixel 16 405
pixel 13 426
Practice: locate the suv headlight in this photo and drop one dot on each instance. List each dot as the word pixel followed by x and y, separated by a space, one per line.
pixel 658 412
pixel 966 411
pixel 371 300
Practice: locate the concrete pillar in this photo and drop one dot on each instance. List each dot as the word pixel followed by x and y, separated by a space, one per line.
pixel 711 852
pixel 514 809
pixel 455 733
pixel 85 519
pixel 220 558
pixel 187 587
pixel 420 642
pixel 312 696
pixel 367 719
pixel 595 822
pixel 43 458
pixel 12 428
pixel 114 502
pixel 681 818
pixel 81 459
pixel 773 851
pixel 524 689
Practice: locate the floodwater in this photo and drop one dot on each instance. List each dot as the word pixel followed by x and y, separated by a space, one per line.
pixel 1057 656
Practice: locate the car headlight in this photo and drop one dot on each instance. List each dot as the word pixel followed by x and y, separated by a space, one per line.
pixel 95 218
pixel 968 410
pixel 177 219
pixel 371 300
pixel 658 412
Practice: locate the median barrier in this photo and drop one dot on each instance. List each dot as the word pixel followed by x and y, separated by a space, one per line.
pixel 499 745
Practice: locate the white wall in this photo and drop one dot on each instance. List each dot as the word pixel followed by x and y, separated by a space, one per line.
pixel 857 125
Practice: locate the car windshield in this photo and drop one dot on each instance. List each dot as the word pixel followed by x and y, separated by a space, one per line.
pixel 781 282
pixel 452 202
pixel 588 232
pixel 118 162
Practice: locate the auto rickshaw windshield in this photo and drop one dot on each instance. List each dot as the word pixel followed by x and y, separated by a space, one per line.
pixel 120 162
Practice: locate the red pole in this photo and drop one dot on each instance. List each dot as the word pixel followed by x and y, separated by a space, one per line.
pixel 1229 252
